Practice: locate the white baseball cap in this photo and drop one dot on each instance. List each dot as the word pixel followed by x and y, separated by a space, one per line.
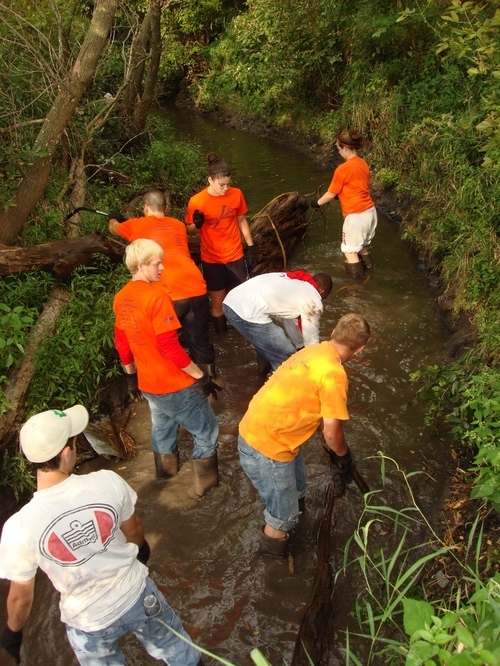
pixel 45 435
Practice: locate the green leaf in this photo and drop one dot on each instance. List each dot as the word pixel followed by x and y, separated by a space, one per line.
pixel 417 615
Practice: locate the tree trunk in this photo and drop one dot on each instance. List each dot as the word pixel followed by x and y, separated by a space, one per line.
pixel 61 257
pixel 141 110
pixel 20 378
pixel 37 173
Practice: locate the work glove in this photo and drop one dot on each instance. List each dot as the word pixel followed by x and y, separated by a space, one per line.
pixel 198 218
pixel 343 464
pixel 252 256
pixel 132 388
pixel 208 386
pixel 11 643
pixel 314 204
pixel 116 215
pixel 144 552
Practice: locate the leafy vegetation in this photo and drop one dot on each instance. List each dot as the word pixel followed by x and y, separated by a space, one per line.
pixel 396 620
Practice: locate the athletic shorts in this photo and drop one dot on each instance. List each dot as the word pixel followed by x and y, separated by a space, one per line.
pixel 224 276
pixel 358 230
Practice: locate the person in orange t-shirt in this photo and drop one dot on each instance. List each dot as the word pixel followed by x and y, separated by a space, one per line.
pixel 156 364
pixel 351 185
pixel 308 391
pixel 181 277
pixel 217 214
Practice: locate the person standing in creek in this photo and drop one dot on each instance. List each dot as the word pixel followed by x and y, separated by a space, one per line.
pixel 351 185
pixel 217 214
pixel 181 277
pixel 294 297
pixel 176 389
pixel 83 532
pixel 307 392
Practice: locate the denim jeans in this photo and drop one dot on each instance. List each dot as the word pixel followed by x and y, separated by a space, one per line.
pixel 269 340
pixel 96 648
pixel 186 408
pixel 279 484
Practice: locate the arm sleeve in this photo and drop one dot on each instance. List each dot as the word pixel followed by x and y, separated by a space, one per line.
pixel 170 347
pixel 293 332
pixel 310 324
pixel 123 347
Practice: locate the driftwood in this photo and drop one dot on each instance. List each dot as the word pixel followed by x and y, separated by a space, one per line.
pixel 20 378
pixel 277 229
pixel 60 257
pixel 312 638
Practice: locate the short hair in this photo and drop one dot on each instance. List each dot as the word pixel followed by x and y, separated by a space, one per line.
pixel 141 251
pixel 350 139
pixel 54 463
pixel 324 281
pixel 156 200
pixel 217 167
pixel 352 331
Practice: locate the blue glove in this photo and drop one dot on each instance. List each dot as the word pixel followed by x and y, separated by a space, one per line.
pixel 252 256
pixel 116 215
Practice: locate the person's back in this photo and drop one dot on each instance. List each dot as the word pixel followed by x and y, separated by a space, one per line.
pixel 181 277
pixel 72 532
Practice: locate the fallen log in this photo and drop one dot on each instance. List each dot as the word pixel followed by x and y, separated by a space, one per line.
pixel 61 257
pixel 277 229
pixel 20 378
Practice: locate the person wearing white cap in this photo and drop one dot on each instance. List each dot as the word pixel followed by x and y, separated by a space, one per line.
pixel 83 532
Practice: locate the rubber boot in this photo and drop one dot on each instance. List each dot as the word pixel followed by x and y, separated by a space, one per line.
pixel 166 464
pixel 205 474
pixel 263 367
pixel 302 504
pixel 354 270
pixel 273 547
pixel 209 368
pixel 366 260
pixel 220 324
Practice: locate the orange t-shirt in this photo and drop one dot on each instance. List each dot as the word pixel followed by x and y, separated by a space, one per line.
pixel 220 236
pixel 351 182
pixel 143 311
pixel 309 386
pixel 181 277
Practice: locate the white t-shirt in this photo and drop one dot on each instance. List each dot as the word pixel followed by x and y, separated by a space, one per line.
pixel 276 295
pixel 72 532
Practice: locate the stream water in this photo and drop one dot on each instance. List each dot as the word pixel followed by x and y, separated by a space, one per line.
pixel 204 552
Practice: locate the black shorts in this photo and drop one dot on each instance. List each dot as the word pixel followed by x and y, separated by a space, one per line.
pixel 224 276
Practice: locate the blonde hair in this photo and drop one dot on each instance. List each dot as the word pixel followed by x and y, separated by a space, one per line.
pixel 141 251
pixel 352 331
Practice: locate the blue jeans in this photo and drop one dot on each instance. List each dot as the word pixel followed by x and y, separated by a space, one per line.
pixel 95 648
pixel 186 408
pixel 269 340
pixel 279 484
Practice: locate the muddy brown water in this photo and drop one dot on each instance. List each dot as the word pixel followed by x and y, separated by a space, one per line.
pixel 204 552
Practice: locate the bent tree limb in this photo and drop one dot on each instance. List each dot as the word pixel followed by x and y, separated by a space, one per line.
pixel 60 257
pixel 72 88
pixel 20 378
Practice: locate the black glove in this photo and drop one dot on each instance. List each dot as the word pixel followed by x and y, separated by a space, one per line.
pixel 252 256
pixel 11 643
pixel 144 552
pixel 116 215
pixel 208 386
pixel 198 218
pixel 314 203
pixel 132 388
pixel 343 464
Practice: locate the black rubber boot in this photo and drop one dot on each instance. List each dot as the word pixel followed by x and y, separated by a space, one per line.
pixel 205 474
pixel 366 260
pixel 220 324
pixel 263 367
pixel 166 464
pixel 209 368
pixel 354 270
pixel 273 547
